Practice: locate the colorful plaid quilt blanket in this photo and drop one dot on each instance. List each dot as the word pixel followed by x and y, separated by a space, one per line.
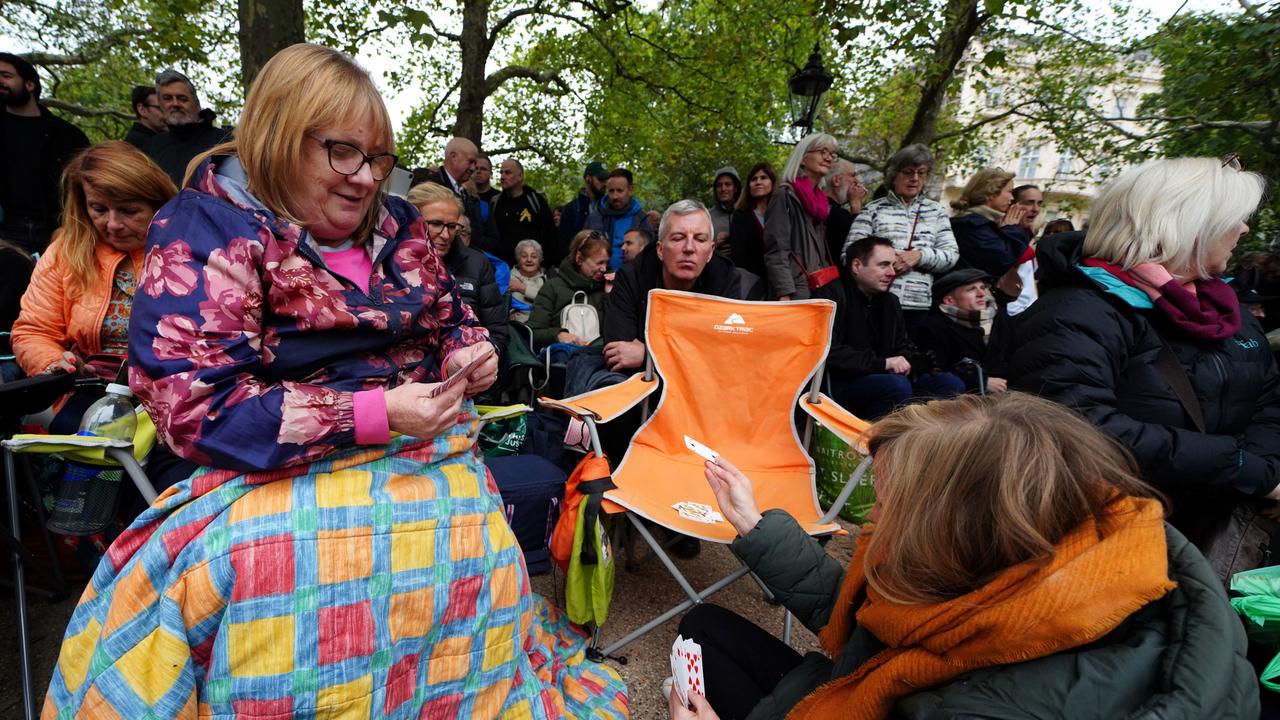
pixel 378 582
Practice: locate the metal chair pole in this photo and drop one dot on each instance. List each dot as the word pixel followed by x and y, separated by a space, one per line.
pixel 20 589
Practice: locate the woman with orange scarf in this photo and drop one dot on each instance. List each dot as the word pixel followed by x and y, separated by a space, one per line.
pixel 1014 566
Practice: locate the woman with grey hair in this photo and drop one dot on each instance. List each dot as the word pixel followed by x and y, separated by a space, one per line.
pixel 1137 331
pixel 797 261
pixel 527 278
pixel 918 227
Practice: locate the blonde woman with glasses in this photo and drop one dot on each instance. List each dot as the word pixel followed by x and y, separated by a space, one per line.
pixel 290 317
pixel 798 263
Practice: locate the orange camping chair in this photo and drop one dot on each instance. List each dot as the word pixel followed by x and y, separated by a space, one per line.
pixel 732 372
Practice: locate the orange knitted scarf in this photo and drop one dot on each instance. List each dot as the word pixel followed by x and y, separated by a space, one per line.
pixel 1031 610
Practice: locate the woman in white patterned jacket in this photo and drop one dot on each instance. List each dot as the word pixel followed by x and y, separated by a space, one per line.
pixel 918 227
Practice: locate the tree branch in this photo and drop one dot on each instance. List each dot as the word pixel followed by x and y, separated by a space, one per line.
pixel 84 55
pixel 546 78
pixel 1012 111
pixel 509 18
pixel 82 111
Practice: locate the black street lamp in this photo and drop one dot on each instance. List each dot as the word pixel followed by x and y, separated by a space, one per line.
pixel 807 87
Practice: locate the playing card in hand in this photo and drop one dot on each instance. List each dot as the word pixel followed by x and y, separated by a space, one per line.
pixel 686 668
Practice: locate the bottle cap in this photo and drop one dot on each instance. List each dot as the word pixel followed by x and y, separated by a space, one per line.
pixel 118 389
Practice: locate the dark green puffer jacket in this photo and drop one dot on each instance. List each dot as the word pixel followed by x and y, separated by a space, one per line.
pixel 1180 657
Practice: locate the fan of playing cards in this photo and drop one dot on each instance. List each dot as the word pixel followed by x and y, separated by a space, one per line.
pixel 686 668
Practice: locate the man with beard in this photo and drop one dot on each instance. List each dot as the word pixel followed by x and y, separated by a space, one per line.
pixel 191 129
pixel 34 147
pixel 618 213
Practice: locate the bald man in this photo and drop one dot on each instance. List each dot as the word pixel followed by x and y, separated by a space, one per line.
pixel 459 163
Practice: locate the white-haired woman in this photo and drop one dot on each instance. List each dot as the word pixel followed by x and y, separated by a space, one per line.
pixel 1136 330
pixel 918 227
pixel 527 278
pixel 797 261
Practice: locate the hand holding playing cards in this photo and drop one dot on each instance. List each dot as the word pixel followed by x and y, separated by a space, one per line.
pixel 701 709
pixel 734 494
pixel 483 376
pixel 411 409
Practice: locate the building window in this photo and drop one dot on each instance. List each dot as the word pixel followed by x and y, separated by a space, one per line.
pixel 982 157
pixel 1122 105
pixel 1065 162
pixel 995 96
pixel 1029 163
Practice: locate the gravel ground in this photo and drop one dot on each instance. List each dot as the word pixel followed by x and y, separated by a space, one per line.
pixel 638 596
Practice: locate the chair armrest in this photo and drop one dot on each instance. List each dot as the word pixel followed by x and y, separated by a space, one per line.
pixel 606 403
pixel 847 426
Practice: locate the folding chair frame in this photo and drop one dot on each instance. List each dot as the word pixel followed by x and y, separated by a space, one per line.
pixel 694 597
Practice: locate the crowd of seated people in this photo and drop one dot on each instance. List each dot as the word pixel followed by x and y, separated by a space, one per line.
pixel 283 317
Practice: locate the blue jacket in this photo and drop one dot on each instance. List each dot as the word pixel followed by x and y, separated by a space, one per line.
pixel 617 223
pixel 990 248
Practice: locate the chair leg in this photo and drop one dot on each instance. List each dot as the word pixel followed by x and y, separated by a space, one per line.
pixel 693 597
pixel 20 590
pixel 850 485
pixel 59 581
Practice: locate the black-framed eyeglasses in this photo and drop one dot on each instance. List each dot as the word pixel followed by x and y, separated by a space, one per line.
pixel 347 159
pixel 1232 161
pixel 435 227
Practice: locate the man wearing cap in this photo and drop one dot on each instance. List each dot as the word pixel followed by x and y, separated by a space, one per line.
pixel 725 188
pixel 573 215
pixel 968 331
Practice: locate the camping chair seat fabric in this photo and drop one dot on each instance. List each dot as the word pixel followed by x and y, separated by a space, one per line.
pixel 377 582
pixel 733 371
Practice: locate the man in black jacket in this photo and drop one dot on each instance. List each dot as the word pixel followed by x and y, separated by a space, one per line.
pixel 34 147
pixel 149 117
pixel 191 128
pixel 682 259
pixel 520 212
pixel 872 359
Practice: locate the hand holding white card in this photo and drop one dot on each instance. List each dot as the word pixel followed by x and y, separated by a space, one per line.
pixel 686 668
pixel 461 375
pixel 701 450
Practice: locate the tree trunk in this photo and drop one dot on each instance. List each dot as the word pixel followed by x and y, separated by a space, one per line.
pixel 475 55
pixel 267 27
pixel 962 24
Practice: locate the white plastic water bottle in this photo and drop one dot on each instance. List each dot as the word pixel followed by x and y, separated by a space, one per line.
pixel 112 416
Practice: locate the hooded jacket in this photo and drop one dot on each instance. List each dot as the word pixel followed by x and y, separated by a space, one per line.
pixel 1091 343
pixel 558 291
pixel 1182 656
pixel 250 354
pixel 173 150
pixel 617 223
pixel 628 306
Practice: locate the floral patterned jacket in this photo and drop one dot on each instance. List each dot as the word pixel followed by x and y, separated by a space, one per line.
pixel 247 351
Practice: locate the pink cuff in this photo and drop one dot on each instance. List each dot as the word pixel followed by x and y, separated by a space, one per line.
pixel 370 409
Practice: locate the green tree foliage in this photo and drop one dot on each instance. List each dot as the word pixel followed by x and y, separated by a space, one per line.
pixel 1221 95
pixel 92 52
